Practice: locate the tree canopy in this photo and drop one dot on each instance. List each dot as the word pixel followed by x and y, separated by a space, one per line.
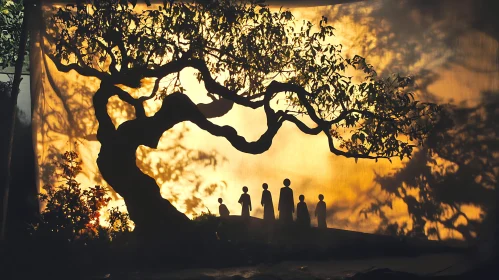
pixel 245 53
pixel 11 17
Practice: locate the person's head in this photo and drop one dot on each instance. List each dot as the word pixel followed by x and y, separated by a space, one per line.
pixel 301 197
pixel 287 182
pixel 220 200
pixel 245 189
pixel 265 186
pixel 321 197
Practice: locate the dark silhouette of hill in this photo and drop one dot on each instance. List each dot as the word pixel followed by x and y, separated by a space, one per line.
pixel 315 243
pixel 226 242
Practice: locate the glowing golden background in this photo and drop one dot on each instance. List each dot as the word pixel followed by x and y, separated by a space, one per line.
pixel 452 61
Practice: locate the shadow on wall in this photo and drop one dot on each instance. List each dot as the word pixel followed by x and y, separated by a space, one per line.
pixel 176 166
pixel 66 116
pixel 419 37
pixel 411 33
pixel 457 168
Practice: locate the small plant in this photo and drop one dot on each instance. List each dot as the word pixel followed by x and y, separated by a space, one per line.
pixel 71 212
pixel 119 223
pixel 204 216
pixel 206 221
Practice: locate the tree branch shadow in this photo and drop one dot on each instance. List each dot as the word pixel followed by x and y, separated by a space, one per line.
pixel 65 115
pixel 457 169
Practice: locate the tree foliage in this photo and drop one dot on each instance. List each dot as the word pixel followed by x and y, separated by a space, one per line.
pixel 119 222
pixel 248 54
pixel 72 212
pixel 13 41
pixel 11 17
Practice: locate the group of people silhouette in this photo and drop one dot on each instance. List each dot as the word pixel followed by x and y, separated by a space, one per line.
pixel 286 207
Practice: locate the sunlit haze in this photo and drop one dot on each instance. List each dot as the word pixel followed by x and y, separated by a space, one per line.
pixel 452 62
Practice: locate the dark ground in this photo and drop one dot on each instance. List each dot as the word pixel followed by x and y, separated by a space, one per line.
pixel 244 250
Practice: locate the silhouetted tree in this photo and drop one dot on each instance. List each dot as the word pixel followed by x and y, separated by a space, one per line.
pixel 13 41
pixel 245 54
pixel 22 208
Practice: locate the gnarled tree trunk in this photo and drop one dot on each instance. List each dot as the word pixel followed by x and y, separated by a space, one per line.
pixel 117 161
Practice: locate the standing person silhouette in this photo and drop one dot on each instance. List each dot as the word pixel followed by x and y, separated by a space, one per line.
pixel 320 212
pixel 268 205
pixel 245 201
pixel 286 203
pixel 222 209
pixel 302 215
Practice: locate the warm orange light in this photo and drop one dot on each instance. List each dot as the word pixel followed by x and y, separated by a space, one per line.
pixel 64 113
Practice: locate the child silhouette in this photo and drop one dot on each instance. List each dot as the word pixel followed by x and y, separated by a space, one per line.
pixel 268 205
pixel 245 201
pixel 320 212
pixel 222 209
pixel 302 215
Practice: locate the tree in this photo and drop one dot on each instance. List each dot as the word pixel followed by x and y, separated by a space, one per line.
pixel 13 40
pixel 245 54
pixel 11 17
pixel 15 21
pixel 23 207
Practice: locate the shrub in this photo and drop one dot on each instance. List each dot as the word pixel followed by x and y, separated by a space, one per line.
pixel 72 213
pixel 119 223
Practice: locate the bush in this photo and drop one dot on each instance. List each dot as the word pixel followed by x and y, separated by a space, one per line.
pixel 119 223
pixel 72 213
pixel 204 217
pixel 206 223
